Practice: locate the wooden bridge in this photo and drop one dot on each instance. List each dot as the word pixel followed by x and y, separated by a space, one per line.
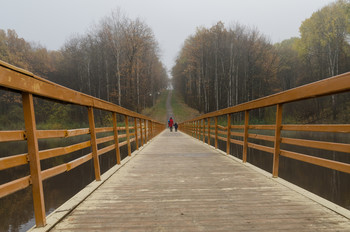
pixel 173 182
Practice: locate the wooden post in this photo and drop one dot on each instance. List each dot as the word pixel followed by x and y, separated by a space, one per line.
pixel 94 143
pixel 198 130
pixel 193 129
pixel 216 132
pixel 276 153
pixel 34 160
pixel 245 138
pixel 136 134
pixel 116 140
pixel 127 134
pixel 208 131
pixel 141 132
pixel 228 134
pixel 151 129
pixel 203 123
pixel 146 133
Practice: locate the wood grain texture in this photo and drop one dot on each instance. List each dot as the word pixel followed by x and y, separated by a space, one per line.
pixel 187 186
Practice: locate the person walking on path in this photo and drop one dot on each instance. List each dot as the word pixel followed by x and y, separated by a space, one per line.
pixel 170 124
pixel 175 126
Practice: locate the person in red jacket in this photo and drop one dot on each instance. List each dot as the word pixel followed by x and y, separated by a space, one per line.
pixel 170 124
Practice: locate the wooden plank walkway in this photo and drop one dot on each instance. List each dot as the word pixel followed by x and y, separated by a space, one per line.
pixel 179 184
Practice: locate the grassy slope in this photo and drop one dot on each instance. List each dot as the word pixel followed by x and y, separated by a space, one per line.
pixel 181 111
pixel 158 111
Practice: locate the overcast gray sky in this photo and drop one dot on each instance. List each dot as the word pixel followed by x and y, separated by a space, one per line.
pixel 52 22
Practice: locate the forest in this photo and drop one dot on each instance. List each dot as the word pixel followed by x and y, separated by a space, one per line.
pixel 117 60
pixel 223 66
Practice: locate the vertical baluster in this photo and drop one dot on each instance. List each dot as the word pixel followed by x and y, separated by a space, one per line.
pixel 203 123
pixel 127 134
pixel 146 133
pixel 245 138
pixel 141 132
pixel 34 160
pixel 228 134
pixel 94 143
pixel 208 131
pixel 198 129
pixel 276 153
pixel 136 134
pixel 216 132
pixel 116 139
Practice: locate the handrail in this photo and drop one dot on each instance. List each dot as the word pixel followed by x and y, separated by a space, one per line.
pixel 19 80
pixel 329 86
pixel 334 85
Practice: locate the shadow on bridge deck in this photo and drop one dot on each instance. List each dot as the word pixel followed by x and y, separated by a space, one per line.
pixel 177 183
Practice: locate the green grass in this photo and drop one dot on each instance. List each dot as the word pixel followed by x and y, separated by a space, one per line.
pixel 158 111
pixel 182 112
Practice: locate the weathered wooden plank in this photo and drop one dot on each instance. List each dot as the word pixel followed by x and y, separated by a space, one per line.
pixel 262 137
pixel 13 186
pixel 6 136
pixel 261 147
pixel 262 127
pixel 13 161
pixel 103 129
pixel 106 149
pixel 21 80
pixel 75 163
pixel 341 128
pixel 332 85
pixel 341 147
pixel 49 153
pixel 343 167
pixel 105 139
pixel 53 171
pixel 191 187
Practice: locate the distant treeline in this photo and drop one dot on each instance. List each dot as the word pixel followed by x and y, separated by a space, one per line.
pixel 117 60
pixel 222 66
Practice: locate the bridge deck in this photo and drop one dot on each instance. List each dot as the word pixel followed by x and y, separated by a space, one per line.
pixel 178 184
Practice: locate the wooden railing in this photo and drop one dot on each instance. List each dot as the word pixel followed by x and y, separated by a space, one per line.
pixel 29 85
pixel 202 127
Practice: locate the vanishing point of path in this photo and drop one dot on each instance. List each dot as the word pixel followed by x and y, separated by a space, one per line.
pixel 177 184
pixel 169 109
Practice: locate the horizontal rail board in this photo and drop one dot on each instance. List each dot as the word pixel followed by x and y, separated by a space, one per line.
pixel 13 161
pixel 45 134
pixel 262 137
pixel 262 127
pixel 343 167
pixel 122 136
pixel 341 128
pixel 7 136
pixel 103 129
pixel 106 149
pixel 237 126
pixel 14 186
pixel 235 141
pixel 105 139
pixel 260 147
pixel 75 163
pixel 123 143
pixel 332 85
pixel 222 127
pixel 54 171
pixel 238 134
pixel 50 153
pixel 222 138
pixel 18 79
pixel 341 147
